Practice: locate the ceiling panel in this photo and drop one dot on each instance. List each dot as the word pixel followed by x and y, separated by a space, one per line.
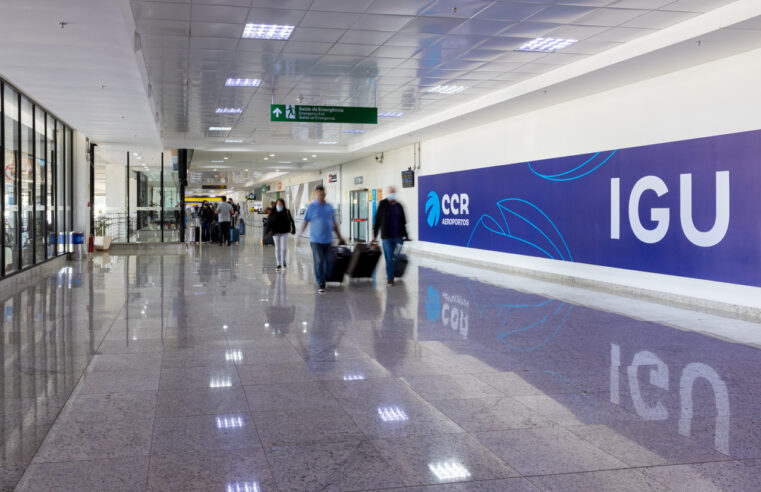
pixel 365 52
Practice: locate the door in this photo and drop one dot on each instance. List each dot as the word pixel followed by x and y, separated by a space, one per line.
pixel 359 216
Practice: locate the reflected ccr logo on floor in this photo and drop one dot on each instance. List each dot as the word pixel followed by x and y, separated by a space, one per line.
pixel 453 312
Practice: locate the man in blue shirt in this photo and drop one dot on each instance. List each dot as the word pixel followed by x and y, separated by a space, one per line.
pixel 320 215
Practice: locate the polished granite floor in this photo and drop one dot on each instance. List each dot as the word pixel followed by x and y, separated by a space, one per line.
pixel 211 371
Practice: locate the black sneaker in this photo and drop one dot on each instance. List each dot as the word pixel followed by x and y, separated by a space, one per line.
pixel 390 283
pixel 277 267
pixel 321 290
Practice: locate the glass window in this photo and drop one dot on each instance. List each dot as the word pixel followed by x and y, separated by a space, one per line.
pixel 50 227
pixel 40 192
pixel 145 198
pixel 60 180
pixel 27 182
pixel 11 151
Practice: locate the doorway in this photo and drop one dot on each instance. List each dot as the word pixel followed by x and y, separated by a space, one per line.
pixel 359 216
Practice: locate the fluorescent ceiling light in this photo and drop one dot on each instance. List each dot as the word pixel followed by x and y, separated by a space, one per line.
pixel 354 131
pixel 387 114
pixel 229 110
pixel 217 162
pixel 547 45
pixel 277 170
pixel 447 89
pixel 446 471
pixel 230 82
pixel 220 128
pixel 272 155
pixel 234 140
pixel 304 159
pixel 328 142
pixel 266 158
pixel 267 31
pixel 314 155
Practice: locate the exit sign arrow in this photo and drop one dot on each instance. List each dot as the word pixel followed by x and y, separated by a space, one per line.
pixel 277 112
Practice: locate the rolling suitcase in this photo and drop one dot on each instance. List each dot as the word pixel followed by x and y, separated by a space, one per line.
pixel 266 241
pixel 339 263
pixel 400 264
pixel 215 234
pixel 242 228
pixel 364 259
pixel 234 235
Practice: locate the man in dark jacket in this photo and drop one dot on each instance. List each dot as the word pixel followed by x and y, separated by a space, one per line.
pixel 392 224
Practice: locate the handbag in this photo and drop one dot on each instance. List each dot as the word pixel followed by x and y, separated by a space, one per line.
pixel 293 224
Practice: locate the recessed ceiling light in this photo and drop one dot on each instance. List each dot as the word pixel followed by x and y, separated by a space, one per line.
pixel 229 110
pixel 217 162
pixel 267 31
pixel 328 142
pixel 447 89
pixel 226 158
pixel 243 82
pixel 246 170
pixel 234 140
pixel 215 169
pixel 354 131
pixel 266 158
pixel 304 159
pixel 547 45
pixel 272 155
pixel 220 128
pixel 314 155
pixel 387 114
pixel 283 162
pixel 277 170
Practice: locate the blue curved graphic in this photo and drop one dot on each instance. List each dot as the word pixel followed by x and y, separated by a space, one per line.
pixel 433 208
pixel 569 175
pixel 433 304
pixel 533 228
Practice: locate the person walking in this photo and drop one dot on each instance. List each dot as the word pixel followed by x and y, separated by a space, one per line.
pixel 280 223
pixel 207 217
pixel 320 216
pixel 224 215
pixel 392 224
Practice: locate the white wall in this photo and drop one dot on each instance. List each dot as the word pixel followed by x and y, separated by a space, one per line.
pixel 711 99
pixel 81 184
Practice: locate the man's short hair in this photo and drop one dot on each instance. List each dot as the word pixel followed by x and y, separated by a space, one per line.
pixel 224 198
pixel 319 188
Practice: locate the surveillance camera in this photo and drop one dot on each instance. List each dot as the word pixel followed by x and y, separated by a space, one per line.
pixel 379 157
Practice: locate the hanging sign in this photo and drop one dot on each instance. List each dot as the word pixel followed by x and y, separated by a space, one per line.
pixel 323 114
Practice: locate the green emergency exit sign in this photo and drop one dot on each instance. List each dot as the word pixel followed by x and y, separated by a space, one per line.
pixel 323 114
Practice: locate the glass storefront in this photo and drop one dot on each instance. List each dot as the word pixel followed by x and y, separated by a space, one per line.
pixel 36 193
pixel 138 197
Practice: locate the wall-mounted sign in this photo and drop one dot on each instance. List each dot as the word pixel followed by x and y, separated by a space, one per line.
pixel 358 180
pixel 332 177
pixel 279 186
pixel 687 208
pixel 251 196
pixel 408 179
pixel 214 187
pixel 323 114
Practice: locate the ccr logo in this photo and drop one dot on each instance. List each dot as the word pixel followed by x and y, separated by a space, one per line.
pixel 455 204
pixel 433 209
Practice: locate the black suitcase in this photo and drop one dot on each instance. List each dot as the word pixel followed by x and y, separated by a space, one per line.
pixel 341 256
pixel 400 265
pixel 364 259
pixel 197 234
pixel 267 240
pixel 215 233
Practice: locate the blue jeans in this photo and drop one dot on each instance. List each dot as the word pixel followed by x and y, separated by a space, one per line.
pixel 205 231
pixel 390 246
pixel 321 256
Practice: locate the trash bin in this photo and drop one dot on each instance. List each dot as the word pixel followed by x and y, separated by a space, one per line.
pixel 77 242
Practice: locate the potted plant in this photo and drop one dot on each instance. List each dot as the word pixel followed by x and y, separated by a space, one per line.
pixel 101 241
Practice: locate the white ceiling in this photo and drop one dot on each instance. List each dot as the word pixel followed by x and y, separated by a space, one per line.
pixel 86 73
pixel 363 53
